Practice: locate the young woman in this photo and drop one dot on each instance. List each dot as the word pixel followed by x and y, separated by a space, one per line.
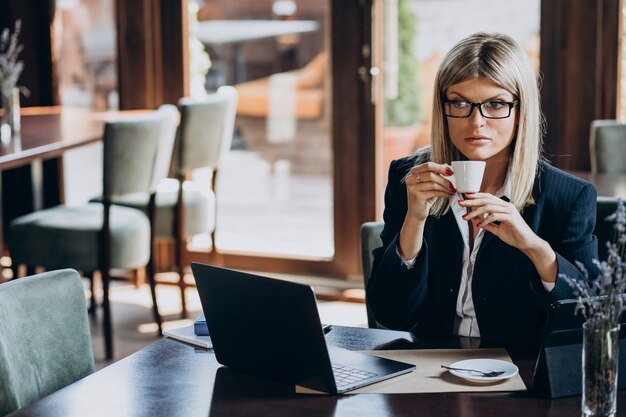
pixel 486 264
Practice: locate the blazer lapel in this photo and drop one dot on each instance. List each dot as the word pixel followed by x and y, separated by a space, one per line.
pixel 451 230
pixel 528 215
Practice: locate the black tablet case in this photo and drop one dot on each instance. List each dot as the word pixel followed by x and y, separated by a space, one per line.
pixel 558 371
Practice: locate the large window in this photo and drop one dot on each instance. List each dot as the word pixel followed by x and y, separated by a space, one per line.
pixel 274 190
pixel 85 54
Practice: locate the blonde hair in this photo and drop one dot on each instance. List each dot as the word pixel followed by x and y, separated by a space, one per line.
pixel 501 60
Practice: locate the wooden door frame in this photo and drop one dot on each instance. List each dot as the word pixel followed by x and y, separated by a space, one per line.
pixel 580 63
pixel 152 52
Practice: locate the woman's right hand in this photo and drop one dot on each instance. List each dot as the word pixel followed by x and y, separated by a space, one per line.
pixel 424 183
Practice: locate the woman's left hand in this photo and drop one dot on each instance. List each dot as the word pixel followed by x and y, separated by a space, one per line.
pixel 500 218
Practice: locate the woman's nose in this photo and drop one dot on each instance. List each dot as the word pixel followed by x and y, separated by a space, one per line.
pixel 476 118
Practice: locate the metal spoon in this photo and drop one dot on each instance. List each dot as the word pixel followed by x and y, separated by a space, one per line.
pixel 489 374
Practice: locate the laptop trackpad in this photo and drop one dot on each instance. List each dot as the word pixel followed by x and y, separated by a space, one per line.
pixel 380 368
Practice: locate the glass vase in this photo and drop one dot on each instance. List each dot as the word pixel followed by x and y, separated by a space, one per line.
pixel 10 101
pixel 600 366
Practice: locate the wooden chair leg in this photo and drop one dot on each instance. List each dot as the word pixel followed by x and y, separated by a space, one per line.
pixel 106 310
pixel 92 300
pixel 180 246
pixel 150 268
pixel 139 277
pixel 155 306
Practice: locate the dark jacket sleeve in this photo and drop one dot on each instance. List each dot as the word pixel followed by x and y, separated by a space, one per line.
pixel 576 242
pixel 395 293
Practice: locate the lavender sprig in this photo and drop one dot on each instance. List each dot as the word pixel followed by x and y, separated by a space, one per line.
pixel 600 299
pixel 10 49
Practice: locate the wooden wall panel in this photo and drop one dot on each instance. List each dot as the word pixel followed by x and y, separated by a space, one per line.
pixel 579 62
pixel 175 50
pixel 353 129
pixel 152 52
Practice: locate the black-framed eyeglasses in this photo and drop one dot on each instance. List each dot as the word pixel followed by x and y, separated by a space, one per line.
pixel 491 109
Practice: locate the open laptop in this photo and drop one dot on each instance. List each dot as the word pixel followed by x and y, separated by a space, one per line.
pixel 271 328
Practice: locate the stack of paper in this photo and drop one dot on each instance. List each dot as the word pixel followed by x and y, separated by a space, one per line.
pixel 186 334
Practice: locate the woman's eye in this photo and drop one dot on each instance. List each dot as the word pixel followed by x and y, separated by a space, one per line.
pixel 494 105
pixel 459 104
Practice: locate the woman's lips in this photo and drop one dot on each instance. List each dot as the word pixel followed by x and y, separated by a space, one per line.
pixel 477 139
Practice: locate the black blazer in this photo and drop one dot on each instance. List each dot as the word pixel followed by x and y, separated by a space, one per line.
pixel 509 298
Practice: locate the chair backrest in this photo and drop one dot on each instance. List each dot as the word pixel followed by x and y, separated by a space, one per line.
pixel 370 240
pixel 45 343
pixel 604 230
pixel 130 153
pixel 231 96
pixel 607 146
pixel 206 129
pixel 171 117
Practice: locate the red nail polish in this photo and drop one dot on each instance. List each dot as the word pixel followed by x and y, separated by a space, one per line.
pixel 461 201
pixel 452 187
pixel 449 171
pixel 464 216
pixel 478 225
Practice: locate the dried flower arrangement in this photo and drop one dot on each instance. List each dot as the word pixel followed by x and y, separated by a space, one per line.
pixel 10 67
pixel 600 299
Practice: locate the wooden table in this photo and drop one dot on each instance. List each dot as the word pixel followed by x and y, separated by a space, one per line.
pixel 170 378
pixel 607 185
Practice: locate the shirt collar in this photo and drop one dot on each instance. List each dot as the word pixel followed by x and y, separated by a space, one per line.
pixel 505 190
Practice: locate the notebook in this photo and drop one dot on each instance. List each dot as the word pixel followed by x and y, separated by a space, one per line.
pixel 271 328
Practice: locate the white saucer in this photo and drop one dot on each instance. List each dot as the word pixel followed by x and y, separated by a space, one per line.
pixel 484 365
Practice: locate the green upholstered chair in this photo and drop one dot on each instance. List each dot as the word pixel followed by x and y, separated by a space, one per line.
pixel 45 342
pixel 370 240
pixel 102 236
pixel 607 146
pixel 205 134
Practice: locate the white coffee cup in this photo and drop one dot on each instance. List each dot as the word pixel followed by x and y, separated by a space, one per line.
pixel 468 175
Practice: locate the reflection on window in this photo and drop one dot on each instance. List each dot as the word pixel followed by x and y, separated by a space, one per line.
pixel 85 53
pixel 274 191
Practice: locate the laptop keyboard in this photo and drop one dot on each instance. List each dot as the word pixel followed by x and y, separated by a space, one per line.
pixel 348 377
